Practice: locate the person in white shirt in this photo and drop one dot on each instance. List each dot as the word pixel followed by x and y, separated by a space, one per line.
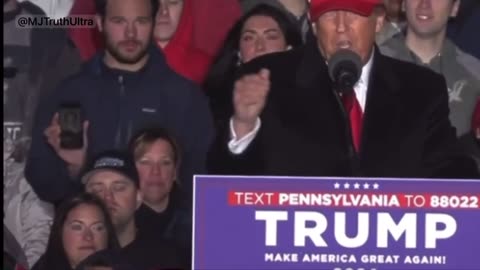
pixel 288 120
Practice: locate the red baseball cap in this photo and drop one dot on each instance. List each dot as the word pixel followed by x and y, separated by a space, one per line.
pixel 362 7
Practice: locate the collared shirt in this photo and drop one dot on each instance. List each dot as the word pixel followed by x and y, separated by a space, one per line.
pixel 361 87
pixel 238 145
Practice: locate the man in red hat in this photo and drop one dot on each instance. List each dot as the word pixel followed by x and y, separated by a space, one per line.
pixel 289 120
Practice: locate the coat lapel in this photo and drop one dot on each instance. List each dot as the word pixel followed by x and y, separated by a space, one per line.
pixel 308 105
pixel 382 114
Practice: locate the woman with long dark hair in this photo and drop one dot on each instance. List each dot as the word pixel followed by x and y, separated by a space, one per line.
pixel 82 226
pixel 263 30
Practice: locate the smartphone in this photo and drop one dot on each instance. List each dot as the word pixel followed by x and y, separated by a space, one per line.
pixel 70 117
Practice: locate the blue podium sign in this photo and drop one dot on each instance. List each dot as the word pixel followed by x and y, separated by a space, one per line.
pixel 335 223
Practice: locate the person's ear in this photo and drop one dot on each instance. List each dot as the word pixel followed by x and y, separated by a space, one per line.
pixel 455 8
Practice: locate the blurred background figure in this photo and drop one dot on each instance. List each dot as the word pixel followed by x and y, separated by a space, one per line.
pixel 462 30
pixel 54 8
pixel 394 20
pixel 27 218
pixel 296 11
pixel 173 32
pixel 82 226
pixel 87 40
pixel 263 30
pixel 212 19
pixel 35 61
pixel 425 43
pixel 13 255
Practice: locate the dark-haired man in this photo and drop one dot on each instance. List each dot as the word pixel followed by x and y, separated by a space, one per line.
pixel 126 87
pixel 112 176
pixel 425 43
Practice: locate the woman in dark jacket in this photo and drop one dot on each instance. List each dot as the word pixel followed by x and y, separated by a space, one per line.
pixel 165 211
pixel 82 226
pixel 264 29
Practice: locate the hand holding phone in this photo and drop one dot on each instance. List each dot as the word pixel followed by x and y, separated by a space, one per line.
pixel 70 119
pixel 74 157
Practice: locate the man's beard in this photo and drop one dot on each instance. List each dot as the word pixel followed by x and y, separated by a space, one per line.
pixel 116 53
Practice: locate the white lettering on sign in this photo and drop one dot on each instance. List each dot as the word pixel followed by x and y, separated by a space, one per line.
pixel 356 200
pixel 362 231
pixel 302 232
pixel 309 225
pixel 253 198
pixel 271 219
pixel 407 226
pixel 425 260
pixel 432 234
pixel 281 257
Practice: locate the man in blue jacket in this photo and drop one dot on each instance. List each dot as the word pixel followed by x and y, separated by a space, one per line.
pixel 125 88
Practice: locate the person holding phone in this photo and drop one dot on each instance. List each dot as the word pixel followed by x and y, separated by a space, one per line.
pixel 124 88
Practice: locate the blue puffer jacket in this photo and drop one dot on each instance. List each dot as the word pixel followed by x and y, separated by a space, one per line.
pixel 118 104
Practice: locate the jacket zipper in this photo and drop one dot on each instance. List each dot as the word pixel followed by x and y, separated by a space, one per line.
pixel 118 136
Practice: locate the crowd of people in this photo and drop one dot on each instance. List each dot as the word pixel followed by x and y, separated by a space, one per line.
pixel 169 89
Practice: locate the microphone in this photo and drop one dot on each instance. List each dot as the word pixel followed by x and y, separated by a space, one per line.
pixel 345 68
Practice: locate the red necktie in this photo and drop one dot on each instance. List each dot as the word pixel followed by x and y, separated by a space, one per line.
pixel 354 111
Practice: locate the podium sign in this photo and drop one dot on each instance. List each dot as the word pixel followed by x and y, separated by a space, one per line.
pixel 335 223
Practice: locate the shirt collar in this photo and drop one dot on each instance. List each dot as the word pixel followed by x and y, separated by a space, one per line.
pixel 365 77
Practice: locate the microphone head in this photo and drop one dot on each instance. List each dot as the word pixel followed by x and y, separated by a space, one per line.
pixel 345 68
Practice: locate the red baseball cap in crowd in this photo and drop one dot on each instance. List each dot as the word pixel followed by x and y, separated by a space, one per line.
pixel 362 7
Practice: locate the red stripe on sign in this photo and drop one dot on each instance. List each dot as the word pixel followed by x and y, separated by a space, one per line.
pixel 232 198
pixel 354 199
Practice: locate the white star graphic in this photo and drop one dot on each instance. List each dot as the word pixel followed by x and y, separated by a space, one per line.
pixel 376 186
pixel 346 185
pixel 336 185
pixel 366 186
pixel 356 186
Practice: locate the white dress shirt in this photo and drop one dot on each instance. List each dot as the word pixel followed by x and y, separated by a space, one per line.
pixel 238 145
